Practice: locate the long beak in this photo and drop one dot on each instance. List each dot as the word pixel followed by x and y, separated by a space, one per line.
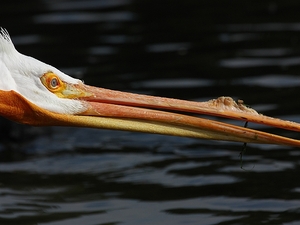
pixel 132 112
pixel 164 116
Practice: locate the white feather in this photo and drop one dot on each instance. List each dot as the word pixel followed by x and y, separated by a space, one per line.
pixel 22 74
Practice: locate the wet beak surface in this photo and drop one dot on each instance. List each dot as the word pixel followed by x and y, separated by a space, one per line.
pixel 151 114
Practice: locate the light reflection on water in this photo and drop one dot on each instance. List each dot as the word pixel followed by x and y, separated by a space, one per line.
pixel 173 83
pixel 259 62
pixel 273 81
pixel 81 17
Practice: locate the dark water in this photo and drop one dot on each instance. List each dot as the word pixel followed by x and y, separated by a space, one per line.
pixel 190 49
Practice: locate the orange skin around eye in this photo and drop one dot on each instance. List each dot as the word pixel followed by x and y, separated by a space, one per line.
pixel 58 88
pixel 62 89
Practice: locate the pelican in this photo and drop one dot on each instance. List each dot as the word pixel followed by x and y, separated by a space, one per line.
pixel 35 93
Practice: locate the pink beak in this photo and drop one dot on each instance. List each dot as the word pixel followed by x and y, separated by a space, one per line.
pixel 181 118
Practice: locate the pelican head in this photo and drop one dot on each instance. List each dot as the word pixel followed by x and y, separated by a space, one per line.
pixel 35 93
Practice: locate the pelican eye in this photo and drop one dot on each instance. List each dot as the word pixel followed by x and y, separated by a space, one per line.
pixel 61 88
pixel 52 82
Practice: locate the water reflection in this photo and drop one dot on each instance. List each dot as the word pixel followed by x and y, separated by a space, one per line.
pixel 271 81
pixel 263 27
pixel 259 62
pixel 173 83
pixel 87 5
pixel 82 17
